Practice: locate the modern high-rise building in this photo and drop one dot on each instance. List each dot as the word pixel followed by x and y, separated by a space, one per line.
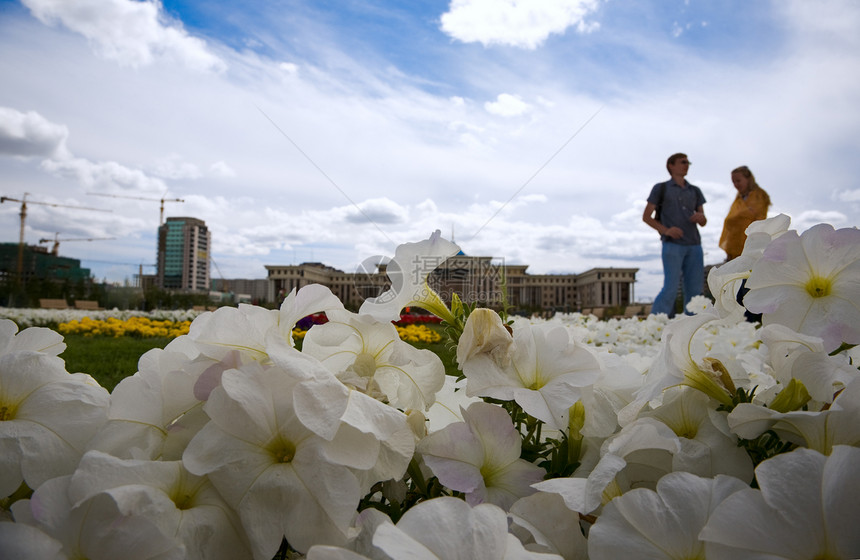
pixel 183 254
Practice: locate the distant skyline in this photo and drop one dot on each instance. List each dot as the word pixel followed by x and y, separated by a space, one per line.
pixel 333 131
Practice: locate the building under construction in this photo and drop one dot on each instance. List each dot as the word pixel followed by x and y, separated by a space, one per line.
pixel 38 263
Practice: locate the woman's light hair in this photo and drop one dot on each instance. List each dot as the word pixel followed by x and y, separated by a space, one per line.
pixel 745 171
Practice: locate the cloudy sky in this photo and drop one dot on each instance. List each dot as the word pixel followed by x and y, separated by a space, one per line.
pixel 333 130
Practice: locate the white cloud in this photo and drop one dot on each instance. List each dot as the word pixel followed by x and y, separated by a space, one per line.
pixel 834 22
pixel 289 67
pixel 427 206
pixel 131 32
pixel 847 195
pixel 221 169
pixel 465 127
pixel 507 105
pixel 380 211
pixel 30 134
pixel 809 218
pixel 416 151
pixel 173 167
pixel 519 23
pixel 108 176
pixel 48 216
pixel 545 102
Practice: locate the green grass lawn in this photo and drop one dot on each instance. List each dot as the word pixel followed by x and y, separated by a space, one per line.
pixel 447 353
pixel 110 360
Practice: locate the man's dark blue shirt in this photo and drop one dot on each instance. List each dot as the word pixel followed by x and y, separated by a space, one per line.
pixel 679 203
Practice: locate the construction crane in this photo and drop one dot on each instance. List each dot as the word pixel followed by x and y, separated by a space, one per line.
pixel 23 214
pixel 55 250
pixel 225 286
pixel 162 200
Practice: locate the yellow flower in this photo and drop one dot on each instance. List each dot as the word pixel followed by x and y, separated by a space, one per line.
pixel 418 333
pixel 133 326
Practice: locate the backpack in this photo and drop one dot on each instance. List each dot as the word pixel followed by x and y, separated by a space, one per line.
pixel 660 201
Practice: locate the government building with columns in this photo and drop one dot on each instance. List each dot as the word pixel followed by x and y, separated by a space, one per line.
pixel 482 280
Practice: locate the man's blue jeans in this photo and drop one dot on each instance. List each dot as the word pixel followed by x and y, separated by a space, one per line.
pixel 680 262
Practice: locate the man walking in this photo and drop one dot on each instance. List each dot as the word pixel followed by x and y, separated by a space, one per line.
pixel 675 210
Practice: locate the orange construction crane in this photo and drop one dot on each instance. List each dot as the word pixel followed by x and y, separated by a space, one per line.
pixel 23 214
pixel 162 200
pixel 55 250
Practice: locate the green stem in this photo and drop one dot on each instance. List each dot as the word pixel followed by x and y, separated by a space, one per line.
pixel 22 493
pixel 417 477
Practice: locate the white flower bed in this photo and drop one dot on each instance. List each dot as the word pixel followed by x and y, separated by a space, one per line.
pixel 25 317
pixel 699 437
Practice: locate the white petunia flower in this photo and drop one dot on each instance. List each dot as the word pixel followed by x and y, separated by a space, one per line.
pixel 334 411
pixel 227 332
pixel 47 416
pixel 481 457
pixel 245 333
pixel 544 375
pixel 725 281
pixel 311 299
pixel 450 401
pixel 685 433
pixel 611 392
pixel 676 365
pixel 544 524
pixel 408 272
pixel 450 529
pixel 807 507
pixel 369 356
pixel 484 333
pixel 811 284
pixel 324 552
pixel 33 339
pixel 269 466
pixel 662 524
pixel 784 345
pixel 273 456
pixel 699 304
pixel 681 362
pixel 25 542
pixel 155 412
pixel 439 529
pixel 179 503
pixel 638 456
pixel 819 430
pixel 801 357
pixel 95 528
pixel 707 447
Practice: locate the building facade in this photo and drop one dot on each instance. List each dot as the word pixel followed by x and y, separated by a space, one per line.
pixel 253 290
pixel 487 282
pixel 481 280
pixel 184 245
pixel 350 288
